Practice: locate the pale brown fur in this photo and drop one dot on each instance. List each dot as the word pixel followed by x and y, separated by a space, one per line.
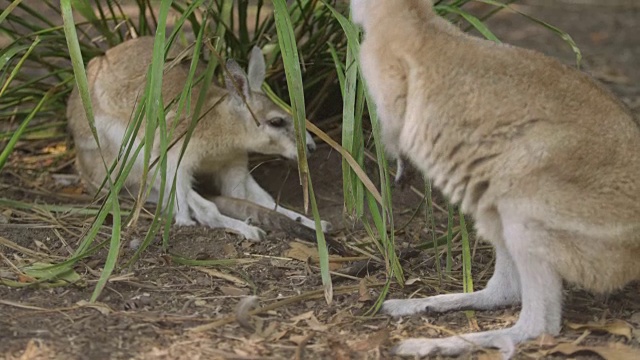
pixel 220 144
pixel 545 159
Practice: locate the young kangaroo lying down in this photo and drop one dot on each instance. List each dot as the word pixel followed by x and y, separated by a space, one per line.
pixel 546 161
pixel 218 148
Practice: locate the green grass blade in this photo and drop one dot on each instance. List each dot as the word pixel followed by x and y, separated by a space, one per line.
pixel 467 281
pixel 114 251
pixel 185 14
pixel 288 47
pixel 111 204
pixel 289 50
pixel 350 30
pixel 385 184
pixel 62 209
pixel 83 87
pixel 474 21
pixel 154 105
pixel 6 152
pixel 184 103
pixel 563 35
pixel 432 225
pixel 351 137
pixel 18 66
pixel 78 64
pixel 9 9
pixel 466 255
pixel 85 8
pixel 339 67
pixel 449 263
pixel 323 250
pixel 386 218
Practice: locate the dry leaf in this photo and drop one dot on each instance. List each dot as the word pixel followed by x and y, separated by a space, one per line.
pixel 104 309
pixel 305 253
pixel 72 190
pixel 599 37
pixel 224 276
pixel 241 352
pixel 298 339
pixel 412 281
pixel 277 336
pixel 281 263
pixel 546 340
pixel 301 252
pixel 303 316
pixel 372 342
pixel 487 354
pixel 36 349
pixel 615 327
pixel 25 279
pixel 611 75
pixel 234 291
pixel 339 350
pixel 314 324
pixel 230 251
pixel 616 352
pixel 269 331
pixel 363 291
pixel 40 245
pixel 4 219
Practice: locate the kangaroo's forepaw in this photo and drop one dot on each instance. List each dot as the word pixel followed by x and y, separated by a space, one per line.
pixel 185 221
pixel 326 226
pixel 253 233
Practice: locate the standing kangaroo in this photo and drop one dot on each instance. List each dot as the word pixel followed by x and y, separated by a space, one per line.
pixel 218 149
pixel 546 160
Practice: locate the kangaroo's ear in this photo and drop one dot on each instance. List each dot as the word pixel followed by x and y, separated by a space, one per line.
pixel 257 69
pixel 235 80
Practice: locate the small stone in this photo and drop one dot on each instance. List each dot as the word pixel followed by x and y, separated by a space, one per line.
pixel 135 243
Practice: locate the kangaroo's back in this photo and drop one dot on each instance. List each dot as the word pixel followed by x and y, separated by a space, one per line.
pixel 545 159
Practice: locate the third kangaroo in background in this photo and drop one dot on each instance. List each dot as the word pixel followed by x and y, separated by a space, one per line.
pixel 545 159
pixel 237 120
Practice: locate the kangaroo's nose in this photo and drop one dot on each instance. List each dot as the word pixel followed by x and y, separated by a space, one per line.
pixel 311 145
pixel 311 148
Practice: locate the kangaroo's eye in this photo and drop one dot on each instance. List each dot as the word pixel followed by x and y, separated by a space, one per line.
pixel 277 122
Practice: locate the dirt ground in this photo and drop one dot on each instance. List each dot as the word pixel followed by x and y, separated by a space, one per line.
pixel 160 309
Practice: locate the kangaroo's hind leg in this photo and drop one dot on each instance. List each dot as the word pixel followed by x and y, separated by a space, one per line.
pixel 207 213
pixel 237 182
pixel 541 289
pixel 503 289
pixel 257 194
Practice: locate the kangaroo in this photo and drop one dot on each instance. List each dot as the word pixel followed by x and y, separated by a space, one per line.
pixel 217 151
pixel 544 158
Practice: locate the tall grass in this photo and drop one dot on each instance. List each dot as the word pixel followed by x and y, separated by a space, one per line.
pixel 312 50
